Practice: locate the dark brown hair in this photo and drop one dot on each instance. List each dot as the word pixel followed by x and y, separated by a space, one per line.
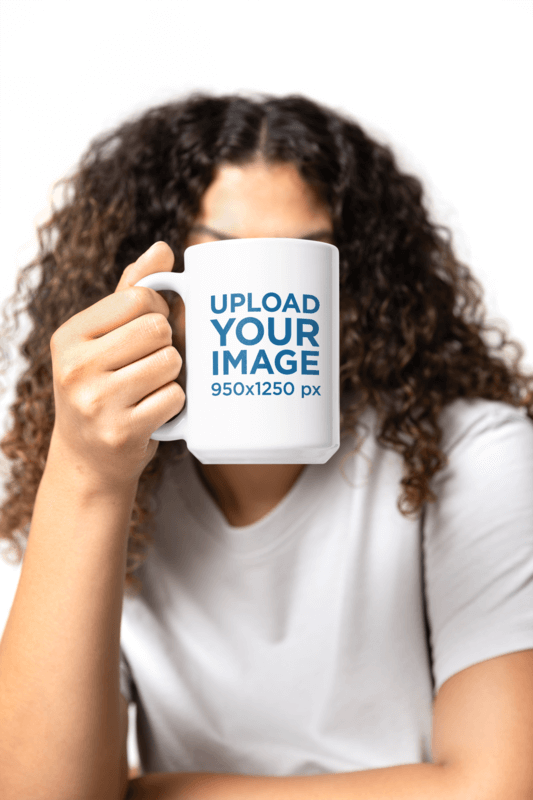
pixel 413 330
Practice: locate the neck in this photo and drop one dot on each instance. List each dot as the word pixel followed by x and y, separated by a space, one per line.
pixel 246 492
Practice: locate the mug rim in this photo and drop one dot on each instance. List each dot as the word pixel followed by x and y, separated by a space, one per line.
pixel 304 242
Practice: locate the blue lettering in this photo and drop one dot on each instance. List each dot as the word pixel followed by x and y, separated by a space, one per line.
pixel 234 302
pixel 261 362
pixel 306 363
pixel 311 310
pixel 301 334
pixel 290 302
pixel 277 300
pixel 223 331
pixel 252 321
pixel 291 363
pixel 250 307
pixel 214 309
pixel 288 331
pixel 235 361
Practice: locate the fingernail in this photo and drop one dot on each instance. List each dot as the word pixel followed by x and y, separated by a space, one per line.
pixel 147 253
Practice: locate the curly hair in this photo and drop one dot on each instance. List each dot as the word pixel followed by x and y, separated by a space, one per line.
pixel 413 335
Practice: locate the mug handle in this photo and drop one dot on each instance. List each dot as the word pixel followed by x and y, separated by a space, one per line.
pixel 175 428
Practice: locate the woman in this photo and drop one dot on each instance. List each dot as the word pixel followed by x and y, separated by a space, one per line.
pixel 362 627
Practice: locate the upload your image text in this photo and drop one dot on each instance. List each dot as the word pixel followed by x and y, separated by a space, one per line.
pixel 238 329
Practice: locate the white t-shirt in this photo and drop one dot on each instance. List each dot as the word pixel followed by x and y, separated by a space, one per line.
pixel 297 645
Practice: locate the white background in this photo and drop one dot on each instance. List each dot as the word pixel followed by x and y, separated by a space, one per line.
pixel 447 83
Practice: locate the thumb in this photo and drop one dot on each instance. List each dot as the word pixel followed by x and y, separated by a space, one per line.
pixel 158 258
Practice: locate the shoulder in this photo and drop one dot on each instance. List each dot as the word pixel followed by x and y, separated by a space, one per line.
pixel 467 421
pixel 478 537
pixel 487 475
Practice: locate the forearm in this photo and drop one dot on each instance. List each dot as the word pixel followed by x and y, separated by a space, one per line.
pixel 175 785
pixel 59 655
pixel 406 782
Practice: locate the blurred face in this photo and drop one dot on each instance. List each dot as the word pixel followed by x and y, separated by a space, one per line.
pixel 255 201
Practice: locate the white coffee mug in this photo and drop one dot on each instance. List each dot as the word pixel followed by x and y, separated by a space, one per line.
pixel 262 341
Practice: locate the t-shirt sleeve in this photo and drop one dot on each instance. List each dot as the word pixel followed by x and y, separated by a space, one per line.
pixel 126 680
pixel 478 538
